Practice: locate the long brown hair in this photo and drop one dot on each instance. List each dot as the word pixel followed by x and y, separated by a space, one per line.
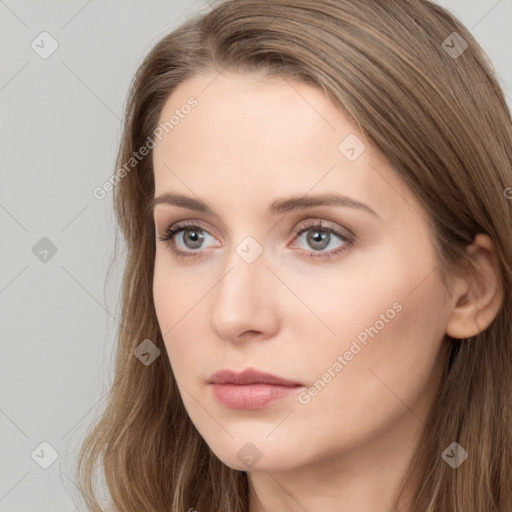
pixel 435 109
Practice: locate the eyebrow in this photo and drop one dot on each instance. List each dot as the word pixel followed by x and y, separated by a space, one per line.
pixel 278 207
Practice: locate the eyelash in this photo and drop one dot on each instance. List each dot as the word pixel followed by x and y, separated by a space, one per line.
pixel 175 229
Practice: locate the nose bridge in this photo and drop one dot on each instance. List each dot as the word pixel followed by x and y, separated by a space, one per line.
pixel 241 301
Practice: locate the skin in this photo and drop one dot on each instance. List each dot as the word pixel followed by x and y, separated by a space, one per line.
pixel 248 142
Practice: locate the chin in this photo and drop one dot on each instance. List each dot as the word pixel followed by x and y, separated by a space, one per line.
pixel 243 454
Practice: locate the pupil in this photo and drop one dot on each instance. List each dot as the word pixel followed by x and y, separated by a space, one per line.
pixel 195 237
pixel 319 237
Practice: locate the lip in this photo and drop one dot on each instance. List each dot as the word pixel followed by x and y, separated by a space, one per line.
pixel 249 376
pixel 249 389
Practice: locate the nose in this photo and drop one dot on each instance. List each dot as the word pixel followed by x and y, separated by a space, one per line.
pixel 244 302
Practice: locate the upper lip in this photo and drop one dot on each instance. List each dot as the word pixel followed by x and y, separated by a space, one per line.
pixel 249 376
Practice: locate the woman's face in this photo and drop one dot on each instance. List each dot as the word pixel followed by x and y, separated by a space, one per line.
pixel 352 312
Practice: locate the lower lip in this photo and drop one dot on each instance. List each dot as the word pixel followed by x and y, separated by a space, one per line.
pixel 250 396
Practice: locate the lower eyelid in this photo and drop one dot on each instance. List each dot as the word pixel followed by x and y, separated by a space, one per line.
pixel 177 233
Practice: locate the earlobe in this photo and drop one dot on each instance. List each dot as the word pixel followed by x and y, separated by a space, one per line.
pixel 479 294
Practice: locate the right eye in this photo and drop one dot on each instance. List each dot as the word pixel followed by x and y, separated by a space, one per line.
pixel 190 235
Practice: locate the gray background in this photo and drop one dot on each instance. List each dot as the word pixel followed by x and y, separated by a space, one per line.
pixel 59 132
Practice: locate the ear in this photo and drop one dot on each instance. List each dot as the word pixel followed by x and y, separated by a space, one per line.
pixel 477 292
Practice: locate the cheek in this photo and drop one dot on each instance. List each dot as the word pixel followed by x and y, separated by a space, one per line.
pixel 178 306
pixel 385 357
pixel 176 291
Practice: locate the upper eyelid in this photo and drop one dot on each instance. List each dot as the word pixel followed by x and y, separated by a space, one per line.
pixel 325 224
pixel 303 226
pixel 186 224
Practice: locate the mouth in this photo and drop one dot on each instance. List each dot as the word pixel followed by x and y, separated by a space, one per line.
pixel 250 389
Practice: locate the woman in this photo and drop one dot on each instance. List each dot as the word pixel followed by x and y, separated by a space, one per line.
pixel 315 198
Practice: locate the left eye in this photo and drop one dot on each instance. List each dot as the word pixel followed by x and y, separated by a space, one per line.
pixel 319 237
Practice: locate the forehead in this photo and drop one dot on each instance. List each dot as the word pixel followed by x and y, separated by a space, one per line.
pixel 271 113
pixel 249 136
